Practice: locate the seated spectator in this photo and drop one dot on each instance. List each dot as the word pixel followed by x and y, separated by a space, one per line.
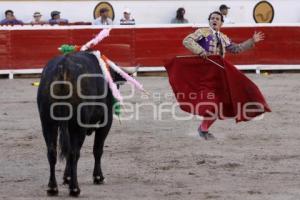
pixel 37 19
pixel 55 18
pixel 10 19
pixel 104 18
pixel 127 20
pixel 179 19
pixel 224 11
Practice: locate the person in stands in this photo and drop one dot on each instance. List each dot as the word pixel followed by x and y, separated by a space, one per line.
pixel 55 18
pixel 127 19
pixel 224 11
pixel 37 19
pixel 179 19
pixel 104 18
pixel 10 19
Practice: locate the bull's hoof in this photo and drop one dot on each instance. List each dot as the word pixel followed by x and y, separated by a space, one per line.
pixel 66 180
pixel 52 191
pixel 98 180
pixel 74 192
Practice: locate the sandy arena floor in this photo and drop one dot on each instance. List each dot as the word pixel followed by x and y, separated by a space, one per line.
pixel 162 159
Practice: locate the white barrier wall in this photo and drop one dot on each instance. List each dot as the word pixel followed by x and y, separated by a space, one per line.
pixel 153 11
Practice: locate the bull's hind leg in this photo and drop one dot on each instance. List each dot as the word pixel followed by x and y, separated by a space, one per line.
pixel 76 144
pixel 67 173
pixel 50 135
pixel 100 136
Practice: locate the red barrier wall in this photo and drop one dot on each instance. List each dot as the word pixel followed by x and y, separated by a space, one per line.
pixel 27 49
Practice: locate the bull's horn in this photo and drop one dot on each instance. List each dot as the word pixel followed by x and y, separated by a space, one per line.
pixel 130 72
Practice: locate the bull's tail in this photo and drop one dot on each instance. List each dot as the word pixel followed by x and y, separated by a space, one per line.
pixel 62 90
pixel 64 140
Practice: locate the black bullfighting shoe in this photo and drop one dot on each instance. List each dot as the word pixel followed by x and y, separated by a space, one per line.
pixel 205 134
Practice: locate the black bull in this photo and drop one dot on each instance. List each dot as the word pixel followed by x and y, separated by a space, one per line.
pixel 73 101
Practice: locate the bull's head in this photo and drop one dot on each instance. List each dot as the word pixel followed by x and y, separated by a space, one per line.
pixel 117 78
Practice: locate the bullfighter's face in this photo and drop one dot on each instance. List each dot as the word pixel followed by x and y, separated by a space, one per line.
pixel 215 22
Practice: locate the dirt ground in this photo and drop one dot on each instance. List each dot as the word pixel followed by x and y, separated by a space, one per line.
pixel 161 158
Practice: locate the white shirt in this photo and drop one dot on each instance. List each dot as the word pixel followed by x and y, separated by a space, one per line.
pixel 227 20
pixel 214 32
pixel 98 21
pixel 124 21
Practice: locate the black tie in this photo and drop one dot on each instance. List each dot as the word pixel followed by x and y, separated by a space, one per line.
pixel 219 44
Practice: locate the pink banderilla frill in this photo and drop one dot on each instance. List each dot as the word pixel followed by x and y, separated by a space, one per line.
pixel 103 34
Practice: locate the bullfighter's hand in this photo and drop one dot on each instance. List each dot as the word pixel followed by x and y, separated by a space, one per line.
pixel 258 36
pixel 203 55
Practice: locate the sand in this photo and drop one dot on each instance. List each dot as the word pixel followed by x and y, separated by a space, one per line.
pixel 161 158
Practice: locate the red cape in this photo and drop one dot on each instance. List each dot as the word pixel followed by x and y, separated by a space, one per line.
pixel 203 88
